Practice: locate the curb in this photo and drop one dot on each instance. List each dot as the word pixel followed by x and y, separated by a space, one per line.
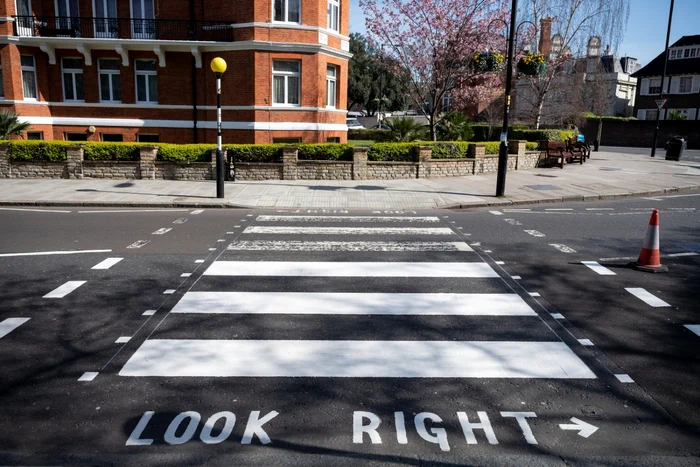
pixel 126 204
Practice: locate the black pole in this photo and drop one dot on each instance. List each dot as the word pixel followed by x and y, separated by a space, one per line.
pixel 219 152
pixel 661 94
pixel 503 152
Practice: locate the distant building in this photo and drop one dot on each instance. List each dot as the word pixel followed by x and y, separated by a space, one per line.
pixel 681 86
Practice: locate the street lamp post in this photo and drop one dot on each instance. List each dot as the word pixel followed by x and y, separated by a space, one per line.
pixel 218 66
pixel 663 78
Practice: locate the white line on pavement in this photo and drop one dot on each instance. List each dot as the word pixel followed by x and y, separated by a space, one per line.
pixel 186 274
pixel 122 340
pixel 139 244
pixel 599 209
pixel 88 376
pixel 598 268
pixel 368 359
pixel 562 248
pixel 108 263
pixel 350 230
pixel 496 213
pixel 295 245
pixel 517 210
pixel 33 210
pixel 557 316
pixel 623 378
pixel 586 342
pixel 694 328
pixel 162 231
pixel 198 211
pixel 65 289
pixel 646 297
pixel 10 324
pixel 149 312
pixel 131 210
pixel 348 269
pixel 452 304
pixel 535 233
pixel 47 253
pixel 678 255
pixel 516 278
pixel 169 292
pixel 534 294
pixel 182 220
pixel 199 261
pixel 266 218
pixel 558 209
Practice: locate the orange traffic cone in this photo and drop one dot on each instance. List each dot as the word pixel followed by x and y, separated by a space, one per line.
pixel 650 256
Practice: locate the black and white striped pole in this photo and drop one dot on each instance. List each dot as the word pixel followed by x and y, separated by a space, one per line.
pixel 218 66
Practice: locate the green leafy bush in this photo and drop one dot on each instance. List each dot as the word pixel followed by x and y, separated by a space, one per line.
pixel 531 146
pixel 492 147
pixel 449 149
pixel 481 134
pixel 184 152
pixel 111 151
pixel 406 129
pixel 395 152
pixel 607 118
pixel 455 127
pixel 255 152
pixel 373 135
pixel 54 151
pixel 325 152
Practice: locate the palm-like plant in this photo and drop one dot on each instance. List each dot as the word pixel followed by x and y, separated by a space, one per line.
pixel 405 129
pixel 11 125
pixel 455 127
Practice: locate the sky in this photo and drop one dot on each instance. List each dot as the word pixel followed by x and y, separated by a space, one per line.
pixel 646 29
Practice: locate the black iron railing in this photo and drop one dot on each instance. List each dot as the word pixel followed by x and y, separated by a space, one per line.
pixel 120 28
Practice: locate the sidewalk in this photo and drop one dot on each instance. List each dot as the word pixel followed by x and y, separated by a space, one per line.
pixel 610 173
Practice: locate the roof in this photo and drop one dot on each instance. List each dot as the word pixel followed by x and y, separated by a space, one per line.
pixel 674 67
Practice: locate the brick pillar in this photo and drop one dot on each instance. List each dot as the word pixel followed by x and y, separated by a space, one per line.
pixel 517 147
pixel 290 155
pixel 424 155
pixel 74 162
pixel 147 162
pixel 477 151
pixel 545 46
pixel 359 163
pixel 5 167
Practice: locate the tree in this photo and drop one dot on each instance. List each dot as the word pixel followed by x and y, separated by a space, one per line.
pixel 405 129
pixel 435 40
pixel 454 126
pixel 11 125
pixel 574 23
pixel 372 77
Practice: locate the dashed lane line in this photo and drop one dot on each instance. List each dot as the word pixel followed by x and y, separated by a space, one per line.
pixel 624 378
pixel 48 253
pixel 89 376
pixel 646 297
pixel 108 263
pixel 496 213
pixel 10 324
pixel 139 244
pixel 598 268
pixel 34 210
pixel 694 328
pixel 535 233
pixel 131 210
pixel 162 231
pixel 65 289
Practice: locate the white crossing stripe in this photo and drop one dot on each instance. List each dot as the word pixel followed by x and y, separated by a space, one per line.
pixel 692 327
pixel 10 324
pixel 123 340
pixel 286 230
pixel 347 246
pixel 586 342
pixel 557 316
pixel 535 233
pixel 108 263
pixel 598 268
pixel 623 378
pixel 447 304
pixel 646 297
pixel 429 219
pixel 88 376
pixel 335 269
pixel 65 289
pixel 149 312
pixel 361 359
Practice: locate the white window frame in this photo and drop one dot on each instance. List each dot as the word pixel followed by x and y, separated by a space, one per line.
pixel 690 88
pixel 73 72
pixel 285 13
pixel 333 8
pixel 145 73
pixel 140 27
pixel 650 86
pixel 66 21
pixel 33 70
pixel 646 115
pixel 332 81
pixel 112 74
pixel 286 75
pixel 107 22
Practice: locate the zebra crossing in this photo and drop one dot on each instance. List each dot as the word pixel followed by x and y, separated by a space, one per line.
pixel 389 299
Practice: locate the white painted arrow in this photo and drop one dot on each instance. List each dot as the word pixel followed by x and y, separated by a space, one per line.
pixel 584 429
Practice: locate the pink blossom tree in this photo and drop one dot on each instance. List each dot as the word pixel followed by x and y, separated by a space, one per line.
pixel 435 40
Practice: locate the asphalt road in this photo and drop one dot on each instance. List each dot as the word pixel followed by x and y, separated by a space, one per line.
pixel 321 337
pixel 688 155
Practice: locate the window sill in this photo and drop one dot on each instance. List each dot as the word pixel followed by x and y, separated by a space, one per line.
pixel 144 102
pixel 284 106
pixel 296 23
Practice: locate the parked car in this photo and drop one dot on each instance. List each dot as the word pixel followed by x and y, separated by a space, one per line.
pixel 355 124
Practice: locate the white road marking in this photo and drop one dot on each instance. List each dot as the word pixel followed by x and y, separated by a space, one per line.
pixel 186 274
pixel 359 359
pixel 692 327
pixel 517 210
pixel 229 233
pixel 199 261
pixel 496 213
pixel 620 258
pixel 10 324
pixel 139 244
pixel 33 210
pixel 448 304
pixel 584 429
pixel 123 340
pixel 500 262
pixel 89 376
pixel 236 226
pixel 660 198
pixel 108 263
pixel 48 253
pixel 516 278
pixel 678 255
pixel 647 297
pixel 558 209
pixel 169 292
pixel 347 246
pixel 535 233
pixel 162 231
pixel 65 289
pixel 513 222
pixel 600 209
pixel 149 313
pixel 623 378
pixel 586 342
pixel 181 220
pixel 347 269
pixel 131 210
pixel 221 240
pixel 350 230
pixel 534 294
pixel 488 251
pixel 212 249
pixel 557 316
pixel 264 218
pixel 562 248
pixel 198 211
pixel 598 268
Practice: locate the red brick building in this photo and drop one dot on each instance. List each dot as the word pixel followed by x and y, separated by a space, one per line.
pixel 138 70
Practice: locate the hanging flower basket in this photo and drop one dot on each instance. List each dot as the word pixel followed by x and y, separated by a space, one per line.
pixel 487 61
pixel 532 64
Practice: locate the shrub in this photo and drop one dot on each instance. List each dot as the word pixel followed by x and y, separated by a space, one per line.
pixel 325 152
pixel 383 136
pixel 403 152
pixel 455 127
pixel 54 151
pixel 449 150
pixel 184 152
pixel 492 147
pixel 111 151
pixel 255 152
pixel 531 146
pixel 406 129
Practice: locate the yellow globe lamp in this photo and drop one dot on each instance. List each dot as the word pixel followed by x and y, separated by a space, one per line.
pixel 218 65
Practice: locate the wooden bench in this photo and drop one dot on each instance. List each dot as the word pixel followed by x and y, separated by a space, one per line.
pixel 580 146
pixel 552 151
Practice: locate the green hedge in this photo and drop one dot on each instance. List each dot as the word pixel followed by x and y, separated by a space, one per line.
pixel 605 118
pixel 111 151
pixel 184 152
pixel 531 146
pixel 54 151
pixel 394 152
pixel 325 152
pixel 481 133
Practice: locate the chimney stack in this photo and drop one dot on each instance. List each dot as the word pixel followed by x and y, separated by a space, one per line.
pixel 546 37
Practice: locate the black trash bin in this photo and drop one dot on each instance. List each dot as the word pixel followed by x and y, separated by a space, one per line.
pixel 675 147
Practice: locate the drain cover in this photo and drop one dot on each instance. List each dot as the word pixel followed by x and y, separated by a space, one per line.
pixel 543 187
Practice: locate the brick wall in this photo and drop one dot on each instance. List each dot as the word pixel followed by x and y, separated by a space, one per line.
pixel 451 167
pixel 391 170
pixel 111 169
pixel 324 170
pixel 640 133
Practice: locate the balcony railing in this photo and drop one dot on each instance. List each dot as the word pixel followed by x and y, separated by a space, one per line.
pixel 120 28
